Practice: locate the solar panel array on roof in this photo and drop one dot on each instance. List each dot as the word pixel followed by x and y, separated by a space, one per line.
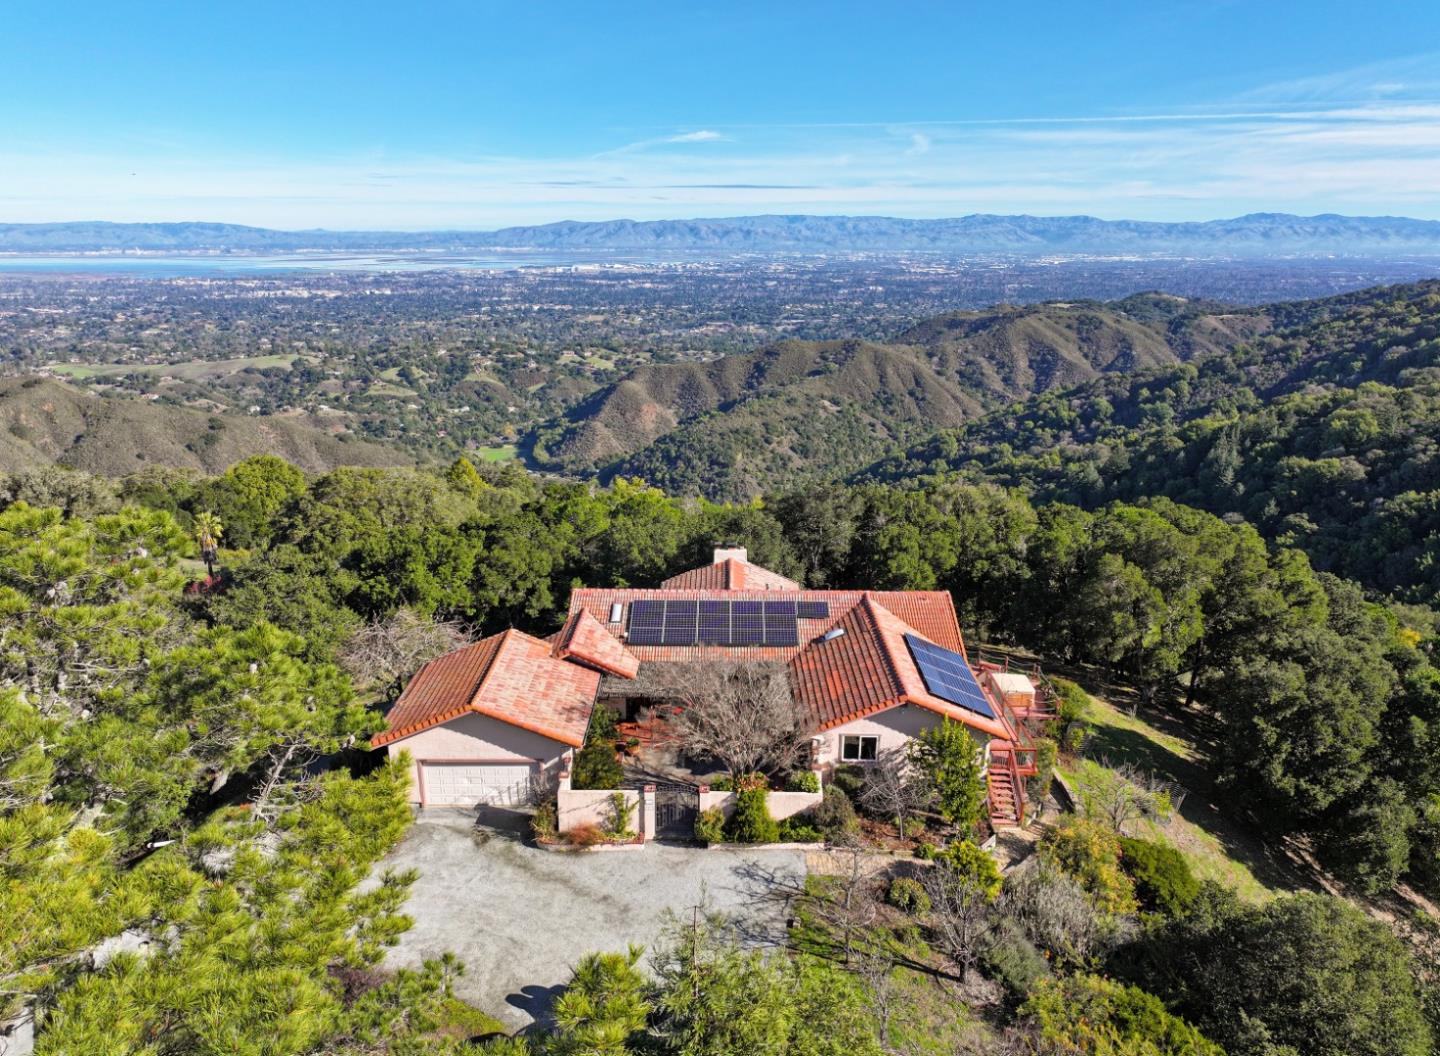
pixel 713 623
pixel 948 676
pixel 813 610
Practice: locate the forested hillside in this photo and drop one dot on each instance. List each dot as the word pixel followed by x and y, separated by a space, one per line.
pixel 1323 435
pixel 744 424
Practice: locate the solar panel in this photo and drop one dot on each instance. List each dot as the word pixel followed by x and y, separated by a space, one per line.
pixel 813 610
pixel 770 623
pixel 948 676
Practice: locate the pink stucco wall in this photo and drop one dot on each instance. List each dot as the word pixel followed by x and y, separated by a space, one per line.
pixel 781 805
pixel 478 739
pixel 894 728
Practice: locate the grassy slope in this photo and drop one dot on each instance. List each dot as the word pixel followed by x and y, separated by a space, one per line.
pixel 1219 847
pixel 44 422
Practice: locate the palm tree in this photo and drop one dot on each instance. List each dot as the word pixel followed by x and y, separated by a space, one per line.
pixel 208 533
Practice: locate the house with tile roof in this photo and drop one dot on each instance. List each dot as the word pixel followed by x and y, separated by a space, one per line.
pixel 871 669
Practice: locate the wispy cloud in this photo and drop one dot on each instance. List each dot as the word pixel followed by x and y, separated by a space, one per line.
pixel 1363 141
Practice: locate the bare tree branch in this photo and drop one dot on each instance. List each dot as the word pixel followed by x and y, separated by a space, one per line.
pixel 742 714
pixel 387 652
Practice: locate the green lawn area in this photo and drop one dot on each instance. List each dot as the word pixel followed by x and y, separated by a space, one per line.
pixel 496 454
pixel 1218 847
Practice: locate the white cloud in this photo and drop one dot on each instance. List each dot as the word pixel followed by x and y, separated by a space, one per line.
pixel 1304 147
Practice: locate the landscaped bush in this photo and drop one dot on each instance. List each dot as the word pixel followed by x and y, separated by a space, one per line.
pixel 596 766
pixel 798 829
pixel 1072 705
pixel 1164 881
pixel 585 834
pixel 1013 961
pixel 850 780
pixel 751 821
pixel 971 865
pixel 926 851
pixel 908 894
pixel 803 781
pixel 835 816
pixel 622 812
pixel 723 783
pixel 1090 852
pixel 544 826
pixel 710 826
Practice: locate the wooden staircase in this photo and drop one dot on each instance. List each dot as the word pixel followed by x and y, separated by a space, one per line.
pixel 1007 794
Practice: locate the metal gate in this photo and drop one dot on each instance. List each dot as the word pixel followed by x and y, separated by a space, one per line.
pixel 676 807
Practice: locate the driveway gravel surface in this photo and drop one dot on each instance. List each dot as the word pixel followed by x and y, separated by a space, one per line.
pixel 520 917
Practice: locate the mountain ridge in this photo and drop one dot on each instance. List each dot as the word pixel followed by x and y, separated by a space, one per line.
pixel 979 234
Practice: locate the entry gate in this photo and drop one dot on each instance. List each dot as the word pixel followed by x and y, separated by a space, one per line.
pixel 676 807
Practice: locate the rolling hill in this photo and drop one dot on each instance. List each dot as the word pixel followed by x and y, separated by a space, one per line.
pixel 747 423
pixel 43 422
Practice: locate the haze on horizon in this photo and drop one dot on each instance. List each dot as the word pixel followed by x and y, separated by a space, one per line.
pixel 480 115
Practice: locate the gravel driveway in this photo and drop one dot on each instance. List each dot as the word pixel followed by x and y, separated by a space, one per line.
pixel 520 917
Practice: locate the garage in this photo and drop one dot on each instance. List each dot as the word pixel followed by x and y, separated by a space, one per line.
pixel 467 784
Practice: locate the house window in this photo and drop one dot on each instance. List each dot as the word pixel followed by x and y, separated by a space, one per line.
pixel 859 749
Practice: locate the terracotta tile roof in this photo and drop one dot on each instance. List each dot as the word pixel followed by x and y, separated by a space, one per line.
pixel 583 638
pixel 866 670
pixel 510 676
pixel 729 574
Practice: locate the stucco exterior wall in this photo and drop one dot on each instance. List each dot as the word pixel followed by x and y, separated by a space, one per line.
pixel 781 805
pixel 593 807
pixel 479 739
pixel 894 729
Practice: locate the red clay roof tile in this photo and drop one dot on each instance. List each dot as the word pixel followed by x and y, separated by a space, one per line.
pixel 510 676
pixel 729 574
pixel 583 638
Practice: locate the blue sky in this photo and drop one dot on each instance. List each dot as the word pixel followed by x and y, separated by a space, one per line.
pixel 427 115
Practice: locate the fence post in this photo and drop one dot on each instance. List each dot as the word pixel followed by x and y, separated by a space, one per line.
pixel 647 813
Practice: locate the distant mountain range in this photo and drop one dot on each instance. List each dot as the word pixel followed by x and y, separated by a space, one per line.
pixel 1255 235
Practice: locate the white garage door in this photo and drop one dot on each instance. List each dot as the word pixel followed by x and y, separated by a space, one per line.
pixel 466 784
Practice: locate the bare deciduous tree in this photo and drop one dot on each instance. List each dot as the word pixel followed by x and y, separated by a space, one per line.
pixel 895 787
pixel 742 714
pixel 387 652
pixel 1119 795
pixel 962 916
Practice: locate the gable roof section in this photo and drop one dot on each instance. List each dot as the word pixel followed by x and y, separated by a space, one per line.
pixel 584 639
pixel 869 669
pixel 729 574
pixel 511 677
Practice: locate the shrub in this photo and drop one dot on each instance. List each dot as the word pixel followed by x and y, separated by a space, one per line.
pixel 803 781
pixel 1013 961
pixel 604 726
pixel 723 783
pixel 1072 705
pixel 596 766
pixel 622 813
pixel 908 894
pixel 835 816
pixel 585 834
pixel 751 821
pixel 849 779
pixel 1046 752
pixel 1090 1016
pixel 950 760
pixel 1164 882
pixel 1090 852
pixel 926 851
pixel 798 829
pixel 972 865
pixel 543 826
pixel 710 826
